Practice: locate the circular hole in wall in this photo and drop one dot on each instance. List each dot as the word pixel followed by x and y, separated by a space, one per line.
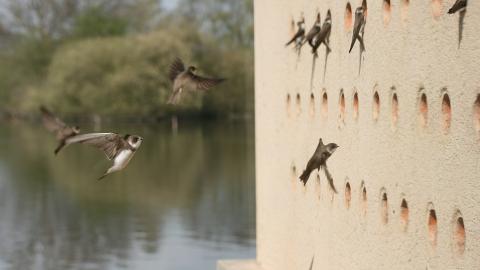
pixel 404 214
pixel 376 106
pixel 436 8
pixel 423 110
pixel 341 104
pixel 459 234
pixel 476 113
pixel 364 200
pixel 386 11
pixel 432 227
pixel 298 102
pixel 312 104
pixel 384 212
pixel 394 109
pixel 355 106
pixel 447 112
pixel 404 10
pixel 348 18
pixel 348 195
pixel 325 104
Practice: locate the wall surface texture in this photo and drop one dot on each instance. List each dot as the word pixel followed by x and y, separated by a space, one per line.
pixel 394 144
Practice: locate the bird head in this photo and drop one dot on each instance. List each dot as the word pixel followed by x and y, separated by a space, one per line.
pixel 192 68
pixel 76 129
pixel 134 140
pixel 331 147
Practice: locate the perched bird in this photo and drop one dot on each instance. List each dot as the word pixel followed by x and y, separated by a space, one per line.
pixel 119 148
pixel 324 34
pixel 57 126
pixel 460 5
pixel 299 36
pixel 186 79
pixel 319 160
pixel 358 28
pixel 313 32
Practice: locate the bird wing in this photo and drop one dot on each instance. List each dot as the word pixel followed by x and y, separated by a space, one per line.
pixel 300 33
pixel 50 121
pixel 359 21
pixel 202 83
pixel 109 143
pixel 312 33
pixel 323 33
pixel 176 68
pixel 459 4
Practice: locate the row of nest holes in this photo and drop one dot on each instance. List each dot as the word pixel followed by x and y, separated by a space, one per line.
pixel 422 108
pixel 459 235
pixel 387 11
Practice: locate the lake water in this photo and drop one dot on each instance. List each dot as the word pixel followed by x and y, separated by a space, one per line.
pixel 186 199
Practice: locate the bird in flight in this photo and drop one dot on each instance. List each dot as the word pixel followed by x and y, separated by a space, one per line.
pixel 324 34
pixel 460 5
pixel 186 79
pixel 116 147
pixel 358 28
pixel 313 32
pixel 299 37
pixel 57 126
pixel 319 160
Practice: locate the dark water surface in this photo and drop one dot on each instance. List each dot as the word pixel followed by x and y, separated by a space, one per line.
pixel 186 199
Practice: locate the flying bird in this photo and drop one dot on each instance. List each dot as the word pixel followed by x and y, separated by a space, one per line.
pixel 186 79
pixel 57 126
pixel 358 28
pixel 299 36
pixel 116 147
pixel 313 32
pixel 319 161
pixel 460 5
pixel 324 34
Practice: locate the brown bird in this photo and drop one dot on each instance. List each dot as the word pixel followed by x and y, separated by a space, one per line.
pixel 358 28
pixel 459 5
pixel 313 32
pixel 319 160
pixel 57 126
pixel 117 147
pixel 324 34
pixel 186 79
pixel 299 36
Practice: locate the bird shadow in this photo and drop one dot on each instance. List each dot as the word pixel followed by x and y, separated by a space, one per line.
pixel 461 18
pixel 314 60
pixel 299 53
pixel 327 53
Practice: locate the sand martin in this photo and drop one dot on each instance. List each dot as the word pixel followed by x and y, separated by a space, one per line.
pixel 119 148
pixel 299 36
pixel 324 35
pixel 57 126
pixel 319 160
pixel 186 79
pixel 358 28
pixel 313 32
pixel 460 5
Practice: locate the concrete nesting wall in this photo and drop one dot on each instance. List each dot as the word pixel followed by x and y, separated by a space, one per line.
pixel 406 115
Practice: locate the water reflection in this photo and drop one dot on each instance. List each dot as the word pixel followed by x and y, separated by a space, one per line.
pixel 184 201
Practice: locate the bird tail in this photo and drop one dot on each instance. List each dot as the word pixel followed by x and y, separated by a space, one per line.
pixel 304 177
pixel 174 97
pixel 351 45
pixel 103 176
pixel 59 147
pixel 289 42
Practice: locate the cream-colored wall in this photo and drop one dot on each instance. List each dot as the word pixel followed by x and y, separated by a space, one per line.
pixel 428 167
